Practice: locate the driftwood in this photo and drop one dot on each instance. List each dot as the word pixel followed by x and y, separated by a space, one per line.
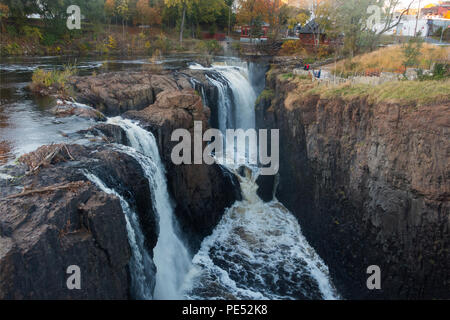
pixel 61 186
pixel 49 158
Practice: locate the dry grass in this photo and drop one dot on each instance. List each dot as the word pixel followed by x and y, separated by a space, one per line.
pixel 402 92
pixel 391 59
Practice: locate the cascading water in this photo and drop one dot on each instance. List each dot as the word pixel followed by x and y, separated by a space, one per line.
pixel 141 266
pixel 171 257
pixel 257 251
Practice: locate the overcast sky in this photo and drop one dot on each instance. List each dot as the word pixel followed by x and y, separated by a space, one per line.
pixel 423 3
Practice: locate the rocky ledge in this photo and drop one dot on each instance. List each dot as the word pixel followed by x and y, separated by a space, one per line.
pixel 52 217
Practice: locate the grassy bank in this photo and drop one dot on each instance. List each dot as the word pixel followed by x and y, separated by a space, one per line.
pixel 391 59
pixel 401 92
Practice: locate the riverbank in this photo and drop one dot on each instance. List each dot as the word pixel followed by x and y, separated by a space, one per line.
pixel 100 40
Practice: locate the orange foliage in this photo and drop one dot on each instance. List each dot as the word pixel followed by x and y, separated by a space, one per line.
pixel 148 15
pixel 251 9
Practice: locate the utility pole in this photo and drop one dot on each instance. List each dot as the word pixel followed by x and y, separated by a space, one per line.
pixel 442 33
pixel 417 19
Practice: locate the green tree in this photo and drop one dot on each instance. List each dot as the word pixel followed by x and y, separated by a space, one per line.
pixel 185 5
pixel 123 10
pixel 411 52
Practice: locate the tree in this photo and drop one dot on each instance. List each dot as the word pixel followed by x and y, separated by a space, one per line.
pixel 4 12
pixel 110 9
pixel 354 19
pixel 21 8
pixel 123 10
pixel 411 52
pixel 184 4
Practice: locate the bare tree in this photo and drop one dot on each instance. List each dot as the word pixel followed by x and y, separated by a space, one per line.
pixel 390 20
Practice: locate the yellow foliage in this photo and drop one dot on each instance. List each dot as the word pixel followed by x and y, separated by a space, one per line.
pixel 112 43
pixel 391 59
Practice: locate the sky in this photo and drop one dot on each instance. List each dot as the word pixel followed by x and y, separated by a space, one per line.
pixel 404 3
pixel 423 3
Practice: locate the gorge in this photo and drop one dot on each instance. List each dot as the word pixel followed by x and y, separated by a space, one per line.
pixel 108 197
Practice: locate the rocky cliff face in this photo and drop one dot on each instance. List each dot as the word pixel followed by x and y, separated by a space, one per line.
pixel 369 184
pixel 52 217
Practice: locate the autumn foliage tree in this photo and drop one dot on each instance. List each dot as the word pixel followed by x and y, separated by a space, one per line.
pixel 272 12
pixel 146 14
pixel 4 12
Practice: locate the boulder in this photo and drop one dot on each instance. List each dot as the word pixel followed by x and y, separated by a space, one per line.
pixel 116 93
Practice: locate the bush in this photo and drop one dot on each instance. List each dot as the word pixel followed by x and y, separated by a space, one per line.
pixel 290 47
pixel 43 79
pixel 411 52
pixel 162 43
pixel 208 47
pixel 32 33
pixel 49 39
pixel 11 30
pixel 112 43
pixel 11 49
pixel 441 71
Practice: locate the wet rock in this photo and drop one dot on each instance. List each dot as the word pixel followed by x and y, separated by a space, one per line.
pixel 52 217
pixel 266 187
pixel 67 109
pixel 107 132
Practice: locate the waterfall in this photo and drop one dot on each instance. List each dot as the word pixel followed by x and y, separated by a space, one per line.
pixel 171 257
pixel 141 266
pixel 258 250
pixel 234 111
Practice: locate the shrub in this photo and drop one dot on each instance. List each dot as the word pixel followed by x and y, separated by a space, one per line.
pixel 290 47
pixel 112 43
pixel 441 71
pixel 208 47
pixel 11 30
pixel 411 52
pixel 162 43
pixel 43 79
pixel 11 49
pixel 32 33
pixel 49 39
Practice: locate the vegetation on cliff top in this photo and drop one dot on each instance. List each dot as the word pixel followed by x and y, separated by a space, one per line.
pixel 392 59
pixel 424 92
pixel 402 92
